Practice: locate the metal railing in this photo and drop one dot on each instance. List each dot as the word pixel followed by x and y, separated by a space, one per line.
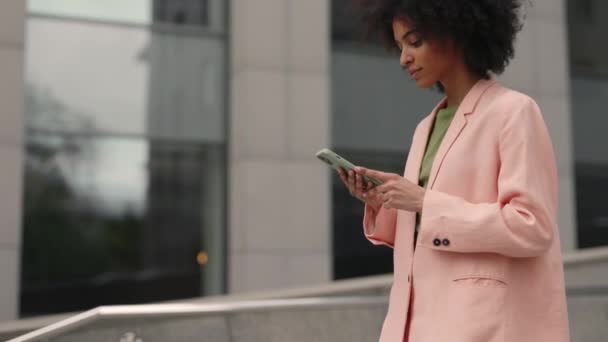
pixel 585 277
pixel 180 310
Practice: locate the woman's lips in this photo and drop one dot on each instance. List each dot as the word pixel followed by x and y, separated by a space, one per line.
pixel 414 73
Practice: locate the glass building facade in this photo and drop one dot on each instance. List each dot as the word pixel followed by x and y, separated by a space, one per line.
pixel 587 27
pixel 125 170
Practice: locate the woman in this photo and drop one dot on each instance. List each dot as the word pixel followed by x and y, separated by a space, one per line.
pixel 473 219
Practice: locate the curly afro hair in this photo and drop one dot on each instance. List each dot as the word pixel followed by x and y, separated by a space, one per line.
pixel 484 30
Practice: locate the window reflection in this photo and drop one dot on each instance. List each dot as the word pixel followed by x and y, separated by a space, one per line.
pixel 128 80
pixel 132 11
pixel 589 88
pixel 126 162
pixel 113 216
pixel 182 12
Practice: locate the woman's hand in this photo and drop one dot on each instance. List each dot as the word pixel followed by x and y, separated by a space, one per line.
pixel 364 192
pixel 396 192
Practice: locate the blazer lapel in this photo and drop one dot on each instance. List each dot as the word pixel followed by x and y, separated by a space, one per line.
pixel 407 219
pixel 458 123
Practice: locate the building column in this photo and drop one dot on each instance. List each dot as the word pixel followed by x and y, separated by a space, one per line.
pixel 12 23
pixel 279 206
pixel 541 69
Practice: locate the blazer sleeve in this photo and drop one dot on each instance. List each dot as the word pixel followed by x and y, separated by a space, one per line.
pixel 379 226
pixel 522 222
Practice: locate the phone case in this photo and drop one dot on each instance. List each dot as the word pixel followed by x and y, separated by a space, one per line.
pixel 334 160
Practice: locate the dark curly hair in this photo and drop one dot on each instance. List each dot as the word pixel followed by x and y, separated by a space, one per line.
pixel 484 30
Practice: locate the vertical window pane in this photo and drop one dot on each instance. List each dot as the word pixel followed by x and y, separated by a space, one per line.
pixel 589 88
pixel 126 161
pixel 132 11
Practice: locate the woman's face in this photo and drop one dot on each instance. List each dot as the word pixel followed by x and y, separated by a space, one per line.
pixel 426 61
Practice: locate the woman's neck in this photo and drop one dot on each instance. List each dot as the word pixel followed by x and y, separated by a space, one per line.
pixel 457 85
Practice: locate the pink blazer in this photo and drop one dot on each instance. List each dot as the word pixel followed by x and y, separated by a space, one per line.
pixel 487 265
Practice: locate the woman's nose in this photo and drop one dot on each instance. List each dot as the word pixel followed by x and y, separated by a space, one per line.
pixel 405 58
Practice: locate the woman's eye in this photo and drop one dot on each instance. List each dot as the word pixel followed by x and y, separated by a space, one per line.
pixel 415 42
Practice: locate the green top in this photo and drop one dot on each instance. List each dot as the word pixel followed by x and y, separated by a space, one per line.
pixel 440 127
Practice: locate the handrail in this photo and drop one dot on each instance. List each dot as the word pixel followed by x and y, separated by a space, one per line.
pixel 176 310
pixel 337 288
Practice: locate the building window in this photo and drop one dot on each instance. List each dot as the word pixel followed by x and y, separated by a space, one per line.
pixel 182 12
pixel 589 88
pixel 125 166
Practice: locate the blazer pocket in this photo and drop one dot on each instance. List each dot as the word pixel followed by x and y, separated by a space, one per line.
pixel 474 310
pixel 479 280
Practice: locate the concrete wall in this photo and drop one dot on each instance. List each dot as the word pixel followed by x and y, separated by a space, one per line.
pixel 12 14
pixel 356 324
pixel 280 233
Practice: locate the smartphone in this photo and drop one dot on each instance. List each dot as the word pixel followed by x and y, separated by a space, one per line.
pixel 334 160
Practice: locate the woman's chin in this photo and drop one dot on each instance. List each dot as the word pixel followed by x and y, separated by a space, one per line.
pixel 423 84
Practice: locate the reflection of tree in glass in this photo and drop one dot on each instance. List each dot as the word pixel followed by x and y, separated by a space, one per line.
pixel 55 246
pixel 66 236
pixel 46 113
pixel 121 237
pixel 50 122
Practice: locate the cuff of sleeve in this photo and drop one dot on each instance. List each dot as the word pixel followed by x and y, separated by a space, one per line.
pixel 369 221
pixel 432 231
pixel 370 218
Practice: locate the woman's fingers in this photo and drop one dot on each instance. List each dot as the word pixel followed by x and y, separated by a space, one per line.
pixel 343 177
pixel 346 179
pixel 352 183
pixel 358 183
